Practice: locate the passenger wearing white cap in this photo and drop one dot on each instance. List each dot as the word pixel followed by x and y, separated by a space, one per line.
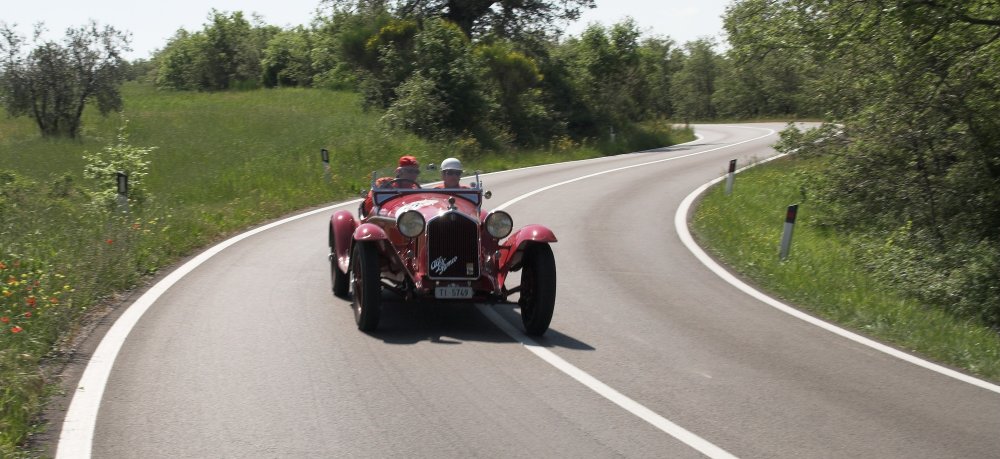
pixel 451 172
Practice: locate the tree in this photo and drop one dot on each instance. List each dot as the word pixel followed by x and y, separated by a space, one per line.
pixel 914 84
pixel 605 66
pixel 512 81
pixel 181 64
pixel 694 84
pixel 659 61
pixel 226 54
pixel 54 82
pixel 443 57
pixel 501 18
pixel 287 59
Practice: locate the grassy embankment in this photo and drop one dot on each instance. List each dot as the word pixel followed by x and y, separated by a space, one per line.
pixel 822 275
pixel 223 162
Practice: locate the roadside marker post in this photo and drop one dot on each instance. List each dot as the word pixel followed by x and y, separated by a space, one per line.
pixel 122 191
pixel 786 237
pixel 324 155
pixel 730 177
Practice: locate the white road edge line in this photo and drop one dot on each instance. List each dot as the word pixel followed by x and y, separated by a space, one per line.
pixel 680 222
pixel 687 437
pixel 77 434
pixel 672 158
pixel 665 425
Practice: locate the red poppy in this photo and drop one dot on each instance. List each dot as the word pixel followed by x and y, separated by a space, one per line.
pixel 27 314
pixel 110 241
pixel 5 319
pixel 3 265
pixel 31 301
pixel 16 329
pixel 54 300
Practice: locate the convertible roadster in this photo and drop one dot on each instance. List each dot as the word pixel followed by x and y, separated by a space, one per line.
pixel 439 243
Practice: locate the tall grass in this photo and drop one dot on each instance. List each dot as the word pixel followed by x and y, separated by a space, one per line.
pixel 222 162
pixel 822 273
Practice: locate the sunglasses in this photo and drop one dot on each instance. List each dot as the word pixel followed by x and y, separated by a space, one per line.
pixel 452 172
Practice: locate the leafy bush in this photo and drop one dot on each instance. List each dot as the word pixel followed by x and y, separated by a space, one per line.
pixel 102 168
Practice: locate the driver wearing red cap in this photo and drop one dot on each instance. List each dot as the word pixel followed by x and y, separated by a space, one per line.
pixel 406 177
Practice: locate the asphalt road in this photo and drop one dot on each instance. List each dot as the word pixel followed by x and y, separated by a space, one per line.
pixel 249 354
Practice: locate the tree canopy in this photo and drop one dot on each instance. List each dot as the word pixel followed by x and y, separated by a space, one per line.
pixel 914 84
pixel 53 82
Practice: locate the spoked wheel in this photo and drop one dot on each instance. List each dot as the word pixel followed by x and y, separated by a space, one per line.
pixel 366 285
pixel 538 289
pixel 338 277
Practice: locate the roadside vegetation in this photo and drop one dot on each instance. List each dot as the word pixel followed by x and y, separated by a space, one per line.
pixel 828 273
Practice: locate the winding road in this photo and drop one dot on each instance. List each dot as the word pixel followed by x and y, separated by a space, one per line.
pixel 243 352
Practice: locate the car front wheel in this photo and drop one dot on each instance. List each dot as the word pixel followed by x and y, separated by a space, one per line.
pixel 538 289
pixel 366 285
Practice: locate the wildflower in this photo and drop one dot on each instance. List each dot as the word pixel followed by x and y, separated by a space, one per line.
pixel 5 319
pixel 31 301
pixel 12 281
pixel 136 226
pixel 7 293
pixel 16 329
pixel 27 314
pixel 110 241
pixel 54 300
pixel 3 265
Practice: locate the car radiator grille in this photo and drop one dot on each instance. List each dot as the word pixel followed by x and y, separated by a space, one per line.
pixel 453 247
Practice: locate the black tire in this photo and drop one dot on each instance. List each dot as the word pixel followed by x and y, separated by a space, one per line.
pixel 538 289
pixel 367 286
pixel 339 278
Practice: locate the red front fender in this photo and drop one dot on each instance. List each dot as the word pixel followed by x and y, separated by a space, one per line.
pixel 513 248
pixel 342 226
pixel 370 232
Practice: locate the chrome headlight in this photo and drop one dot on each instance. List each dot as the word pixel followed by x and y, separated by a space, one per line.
pixel 499 224
pixel 410 223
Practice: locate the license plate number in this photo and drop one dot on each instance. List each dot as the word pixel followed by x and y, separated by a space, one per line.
pixel 453 291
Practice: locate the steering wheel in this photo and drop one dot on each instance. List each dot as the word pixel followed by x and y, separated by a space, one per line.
pixel 402 183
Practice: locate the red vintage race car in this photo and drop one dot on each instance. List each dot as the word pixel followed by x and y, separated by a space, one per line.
pixel 438 243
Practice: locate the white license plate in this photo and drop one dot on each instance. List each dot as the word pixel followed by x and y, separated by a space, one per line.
pixel 453 291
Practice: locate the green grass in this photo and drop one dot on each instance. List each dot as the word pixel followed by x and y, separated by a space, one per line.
pixel 223 162
pixel 822 275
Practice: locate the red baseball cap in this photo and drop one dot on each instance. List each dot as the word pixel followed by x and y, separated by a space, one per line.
pixel 408 161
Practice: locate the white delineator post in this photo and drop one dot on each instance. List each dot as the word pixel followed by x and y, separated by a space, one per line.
pixel 122 184
pixel 786 237
pixel 730 177
pixel 324 155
